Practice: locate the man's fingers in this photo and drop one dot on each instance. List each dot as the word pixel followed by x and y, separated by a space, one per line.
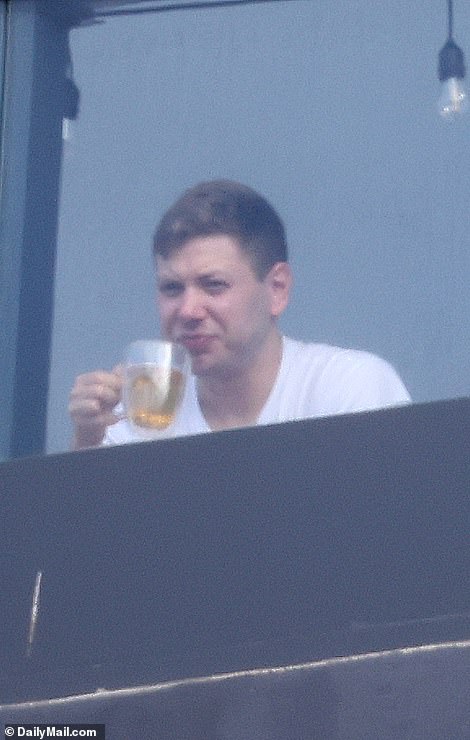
pixel 93 396
pixel 91 403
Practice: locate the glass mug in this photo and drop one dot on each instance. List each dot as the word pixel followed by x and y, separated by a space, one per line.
pixel 155 373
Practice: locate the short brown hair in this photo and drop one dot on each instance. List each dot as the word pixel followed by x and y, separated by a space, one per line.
pixel 225 207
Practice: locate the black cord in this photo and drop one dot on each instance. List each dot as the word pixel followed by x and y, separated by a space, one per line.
pixel 450 17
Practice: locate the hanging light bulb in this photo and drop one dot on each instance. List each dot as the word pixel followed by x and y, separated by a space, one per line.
pixel 453 100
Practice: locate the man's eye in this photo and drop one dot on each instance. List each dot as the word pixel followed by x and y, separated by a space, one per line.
pixel 215 286
pixel 170 289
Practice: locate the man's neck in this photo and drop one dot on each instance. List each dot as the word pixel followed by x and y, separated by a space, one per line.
pixel 237 401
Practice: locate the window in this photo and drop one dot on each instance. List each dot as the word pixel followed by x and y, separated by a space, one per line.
pixel 326 108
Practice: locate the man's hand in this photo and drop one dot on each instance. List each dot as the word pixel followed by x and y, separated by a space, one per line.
pixel 92 400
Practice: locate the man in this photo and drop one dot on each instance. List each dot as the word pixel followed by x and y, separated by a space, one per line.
pixel 223 282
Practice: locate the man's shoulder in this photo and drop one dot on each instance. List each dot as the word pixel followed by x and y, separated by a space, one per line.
pixel 322 353
pixel 342 378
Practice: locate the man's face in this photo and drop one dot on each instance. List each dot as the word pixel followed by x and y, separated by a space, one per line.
pixel 212 302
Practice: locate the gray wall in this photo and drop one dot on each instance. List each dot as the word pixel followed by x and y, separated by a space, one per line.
pixel 328 107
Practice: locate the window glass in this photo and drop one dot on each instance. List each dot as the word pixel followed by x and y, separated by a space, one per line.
pixel 330 110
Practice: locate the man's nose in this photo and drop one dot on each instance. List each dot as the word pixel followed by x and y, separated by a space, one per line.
pixel 191 306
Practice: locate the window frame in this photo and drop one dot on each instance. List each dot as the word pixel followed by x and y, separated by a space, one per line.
pixel 35 96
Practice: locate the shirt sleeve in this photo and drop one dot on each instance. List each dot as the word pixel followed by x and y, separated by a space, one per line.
pixel 359 381
pixel 119 433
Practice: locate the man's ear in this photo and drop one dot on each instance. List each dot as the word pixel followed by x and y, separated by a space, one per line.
pixel 279 281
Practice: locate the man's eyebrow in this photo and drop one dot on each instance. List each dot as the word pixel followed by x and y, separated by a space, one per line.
pixel 166 274
pixel 166 279
pixel 216 273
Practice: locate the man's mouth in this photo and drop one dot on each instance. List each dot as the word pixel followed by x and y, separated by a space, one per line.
pixel 196 343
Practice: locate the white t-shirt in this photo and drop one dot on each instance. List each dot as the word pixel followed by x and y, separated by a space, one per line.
pixel 314 380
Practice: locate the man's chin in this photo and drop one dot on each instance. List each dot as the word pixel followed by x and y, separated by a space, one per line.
pixel 201 365
pixel 207 366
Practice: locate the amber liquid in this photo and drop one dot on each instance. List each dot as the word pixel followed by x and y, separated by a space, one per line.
pixel 154 395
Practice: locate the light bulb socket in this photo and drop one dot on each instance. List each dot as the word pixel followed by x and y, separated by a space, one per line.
pixel 451 61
